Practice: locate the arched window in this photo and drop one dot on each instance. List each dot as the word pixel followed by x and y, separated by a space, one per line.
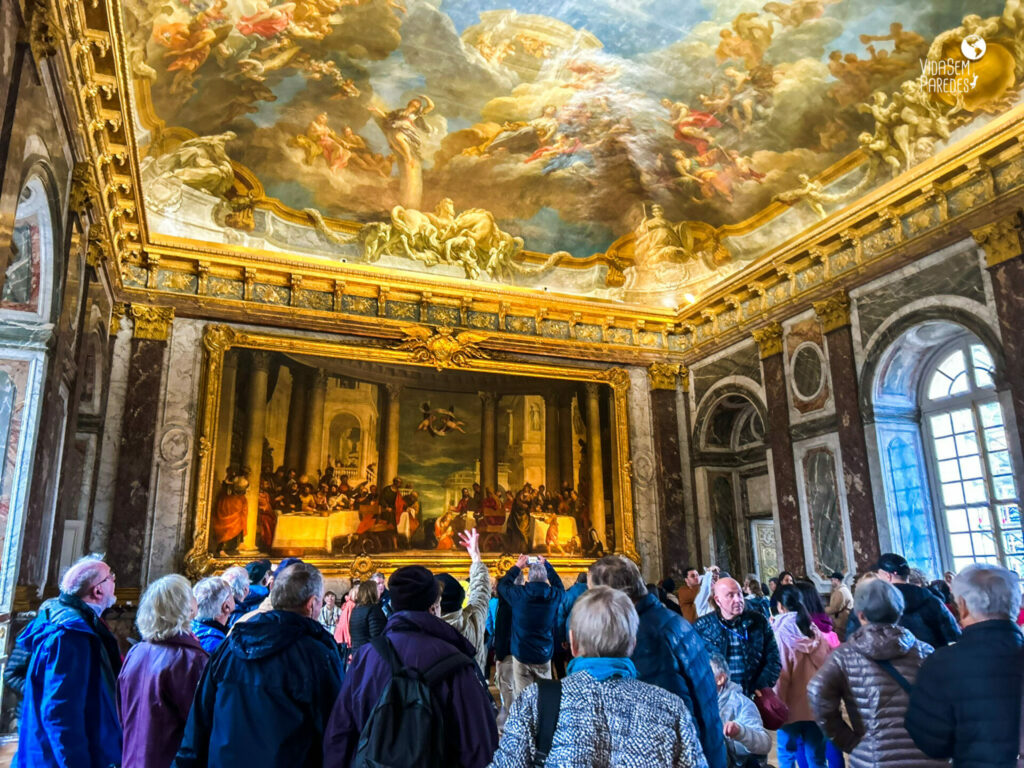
pixel 963 428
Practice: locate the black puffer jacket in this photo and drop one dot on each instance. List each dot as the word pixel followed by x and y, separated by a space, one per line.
pixel 924 615
pixel 875 703
pixel 366 623
pixel 966 704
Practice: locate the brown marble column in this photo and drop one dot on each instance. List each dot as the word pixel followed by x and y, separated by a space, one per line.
pixel 689 480
pixel 668 468
pixel 552 457
pixel 226 417
pixel 595 460
pixel 255 430
pixel 315 425
pixel 1002 242
pixel 389 456
pixel 769 342
pixel 489 440
pixel 152 326
pixel 565 439
pixel 834 314
pixel 295 437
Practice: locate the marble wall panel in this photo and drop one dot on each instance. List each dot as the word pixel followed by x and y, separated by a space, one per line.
pixel 806 361
pixel 171 473
pixel 738 361
pixel 824 517
pixel 645 492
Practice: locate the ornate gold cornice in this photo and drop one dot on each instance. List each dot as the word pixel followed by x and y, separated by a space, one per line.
pixel 664 376
pixel 833 312
pixel 684 378
pixel 152 323
pixel 42 28
pixel 84 192
pixel 1001 240
pixel 442 347
pixel 96 248
pixel 769 339
pixel 117 311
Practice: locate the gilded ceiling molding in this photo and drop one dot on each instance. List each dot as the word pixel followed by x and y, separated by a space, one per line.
pixel 84 192
pixel 663 376
pixel 117 312
pixel 152 323
pixel 97 248
pixel 769 339
pixel 1001 239
pixel 442 347
pixel 833 312
pixel 42 28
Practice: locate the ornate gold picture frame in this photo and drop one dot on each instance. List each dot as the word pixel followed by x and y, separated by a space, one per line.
pixel 424 347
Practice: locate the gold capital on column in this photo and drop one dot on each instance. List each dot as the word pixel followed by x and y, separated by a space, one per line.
pixel 833 312
pixel 1001 239
pixel 117 312
pixel 769 339
pixel 663 375
pixel 684 378
pixel 153 323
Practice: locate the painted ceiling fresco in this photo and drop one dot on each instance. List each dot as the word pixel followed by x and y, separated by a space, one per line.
pixel 551 126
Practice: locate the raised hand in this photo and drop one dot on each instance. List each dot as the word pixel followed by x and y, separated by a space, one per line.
pixel 522 562
pixel 471 541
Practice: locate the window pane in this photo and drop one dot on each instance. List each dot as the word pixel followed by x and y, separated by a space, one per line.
pixel 956 519
pixel 949 470
pixel 942 425
pixel 959 563
pixel 979 518
pixel 1009 516
pixel 991 414
pixel 1013 543
pixel 984 543
pixel 1004 487
pixel 954 364
pixel 995 438
pixel 945 448
pixel 1016 564
pixel 967 444
pixel 963 420
pixel 983 366
pixel 960 543
pixel 952 494
pixel 970 467
pixel 960 384
pixel 974 492
pixel 939 386
pixel 999 463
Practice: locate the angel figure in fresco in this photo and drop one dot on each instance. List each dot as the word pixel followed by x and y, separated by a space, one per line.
pixel 796 13
pixel 189 45
pixel 405 130
pixel 690 125
pixel 266 21
pixel 908 45
pixel 321 140
pixel 709 181
pixel 363 157
pixel 748 39
pixel 450 423
pixel 724 101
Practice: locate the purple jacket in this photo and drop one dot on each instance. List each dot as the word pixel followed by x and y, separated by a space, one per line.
pixel 420 640
pixel 155 690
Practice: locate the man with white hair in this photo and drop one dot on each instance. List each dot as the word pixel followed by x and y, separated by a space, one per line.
pixel 216 602
pixel 966 701
pixel 68 666
pixel 237 577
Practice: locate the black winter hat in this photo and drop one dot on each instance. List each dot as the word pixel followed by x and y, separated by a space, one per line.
pixel 452 593
pixel 890 562
pixel 412 588
pixel 257 570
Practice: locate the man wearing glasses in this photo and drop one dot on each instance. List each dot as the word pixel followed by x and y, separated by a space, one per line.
pixel 66 664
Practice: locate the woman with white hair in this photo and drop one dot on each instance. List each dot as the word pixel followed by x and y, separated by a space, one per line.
pixel 588 719
pixel 160 675
pixel 872 673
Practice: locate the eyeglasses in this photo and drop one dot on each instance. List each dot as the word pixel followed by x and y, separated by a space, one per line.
pixel 110 577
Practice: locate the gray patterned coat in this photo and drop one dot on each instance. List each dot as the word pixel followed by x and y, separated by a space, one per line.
pixel 618 722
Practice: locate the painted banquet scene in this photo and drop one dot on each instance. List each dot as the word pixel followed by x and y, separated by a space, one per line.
pixel 474 384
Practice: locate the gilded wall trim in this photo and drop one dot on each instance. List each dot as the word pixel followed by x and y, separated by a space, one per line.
pixel 1001 240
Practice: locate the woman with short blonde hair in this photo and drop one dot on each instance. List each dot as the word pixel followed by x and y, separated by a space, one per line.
pixel 160 675
pixel 601 701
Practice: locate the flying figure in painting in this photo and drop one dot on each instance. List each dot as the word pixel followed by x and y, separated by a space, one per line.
pixel 439 422
pixel 405 130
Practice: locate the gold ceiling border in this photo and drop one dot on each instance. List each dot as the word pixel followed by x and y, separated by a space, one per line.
pixel 218 339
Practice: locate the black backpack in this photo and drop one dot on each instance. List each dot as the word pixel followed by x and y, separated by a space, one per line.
pixel 406 728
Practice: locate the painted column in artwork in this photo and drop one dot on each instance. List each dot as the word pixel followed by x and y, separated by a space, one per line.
pixel 315 422
pixel 769 342
pixel 834 314
pixel 565 439
pixel 226 417
pixel 489 440
pixel 595 460
pixel 255 429
pixel 552 457
pixel 138 441
pixel 668 467
pixel 1002 242
pixel 295 437
pixel 389 456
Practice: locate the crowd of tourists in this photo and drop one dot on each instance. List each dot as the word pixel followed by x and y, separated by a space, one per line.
pixel 260 666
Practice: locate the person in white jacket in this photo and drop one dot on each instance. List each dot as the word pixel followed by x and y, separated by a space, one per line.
pixel 746 739
pixel 470 620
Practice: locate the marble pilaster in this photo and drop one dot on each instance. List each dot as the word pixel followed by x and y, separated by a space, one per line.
pixel 668 475
pixel 171 472
pixel 643 459
pixel 315 425
pixel 552 457
pixel 135 457
pixel 595 474
pixel 255 429
pixel 294 446
pixel 769 341
pixel 489 440
pixel 834 314
pixel 687 481
pixel 392 415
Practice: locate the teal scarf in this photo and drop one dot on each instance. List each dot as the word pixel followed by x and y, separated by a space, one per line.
pixel 601 668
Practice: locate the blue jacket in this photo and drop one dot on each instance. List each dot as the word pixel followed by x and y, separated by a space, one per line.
pixel 210 633
pixel 265 696
pixel 572 594
pixel 671 655
pixel 69 713
pixel 534 609
pixel 257 594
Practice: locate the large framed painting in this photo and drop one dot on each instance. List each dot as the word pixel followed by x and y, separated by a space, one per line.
pixel 361 458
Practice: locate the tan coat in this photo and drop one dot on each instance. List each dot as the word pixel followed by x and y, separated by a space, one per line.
pixel 875 703
pixel 471 620
pixel 840 604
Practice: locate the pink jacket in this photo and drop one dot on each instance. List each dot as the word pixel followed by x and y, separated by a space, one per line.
pixel 341 633
pixel 802 657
